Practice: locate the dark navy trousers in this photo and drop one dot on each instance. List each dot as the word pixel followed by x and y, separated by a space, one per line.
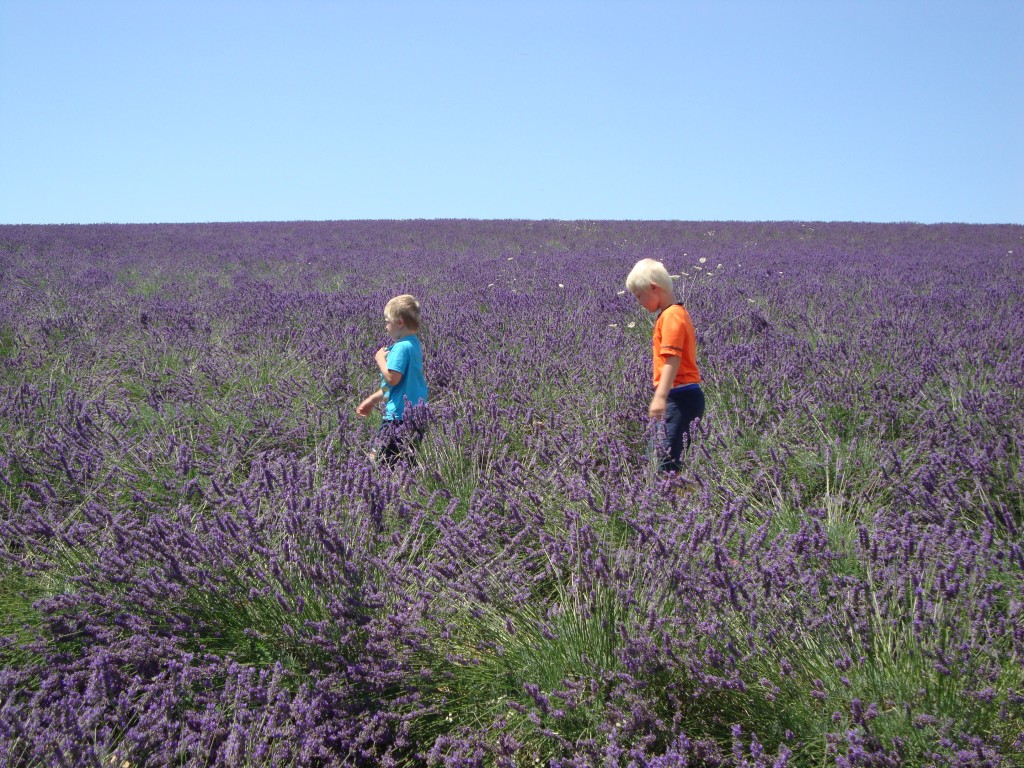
pixel 685 404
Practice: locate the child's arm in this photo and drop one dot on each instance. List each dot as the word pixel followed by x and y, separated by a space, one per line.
pixel 660 400
pixel 393 378
pixel 367 406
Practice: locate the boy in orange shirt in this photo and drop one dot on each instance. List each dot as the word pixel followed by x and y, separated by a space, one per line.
pixel 678 397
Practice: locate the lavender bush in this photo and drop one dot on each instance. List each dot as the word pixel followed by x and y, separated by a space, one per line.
pixel 199 565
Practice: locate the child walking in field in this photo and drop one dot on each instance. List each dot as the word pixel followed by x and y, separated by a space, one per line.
pixel 402 384
pixel 678 398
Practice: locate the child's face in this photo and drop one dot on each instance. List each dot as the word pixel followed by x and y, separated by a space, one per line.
pixel 649 297
pixel 395 328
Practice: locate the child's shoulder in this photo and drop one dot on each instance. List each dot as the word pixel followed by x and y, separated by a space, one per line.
pixel 672 309
pixel 675 313
pixel 676 309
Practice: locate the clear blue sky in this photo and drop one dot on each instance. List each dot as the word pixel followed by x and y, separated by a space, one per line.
pixel 224 110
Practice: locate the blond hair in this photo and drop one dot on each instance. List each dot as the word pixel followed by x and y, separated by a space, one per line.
pixel 647 271
pixel 404 308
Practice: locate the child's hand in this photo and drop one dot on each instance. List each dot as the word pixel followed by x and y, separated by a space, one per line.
pixel 365 408
pixel 381 357
pixel 658 406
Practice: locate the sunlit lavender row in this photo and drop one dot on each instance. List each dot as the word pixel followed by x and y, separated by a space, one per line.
pixel 200 565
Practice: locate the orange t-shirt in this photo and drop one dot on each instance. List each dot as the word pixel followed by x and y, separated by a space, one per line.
pixel 674 337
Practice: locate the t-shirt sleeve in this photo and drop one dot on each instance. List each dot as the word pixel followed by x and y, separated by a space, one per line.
pixel 398 358
pixel 673 334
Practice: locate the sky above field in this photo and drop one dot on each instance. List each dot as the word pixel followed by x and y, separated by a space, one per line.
pixel 220 110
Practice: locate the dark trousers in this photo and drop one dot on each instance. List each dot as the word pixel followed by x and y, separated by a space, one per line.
pixel 685 404
pixel 397 439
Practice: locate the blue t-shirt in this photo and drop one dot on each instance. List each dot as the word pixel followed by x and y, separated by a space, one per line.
pixel 406 357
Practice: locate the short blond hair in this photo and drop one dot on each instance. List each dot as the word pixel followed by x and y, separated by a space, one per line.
pixel 404 308
pixel 647 271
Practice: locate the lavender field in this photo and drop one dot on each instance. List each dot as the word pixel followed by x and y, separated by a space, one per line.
pixel 199 566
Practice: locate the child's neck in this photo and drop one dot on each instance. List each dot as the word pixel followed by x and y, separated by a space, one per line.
pixel 666 301
pixel 404 333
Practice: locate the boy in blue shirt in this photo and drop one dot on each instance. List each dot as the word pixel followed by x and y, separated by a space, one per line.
pixel 402 383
